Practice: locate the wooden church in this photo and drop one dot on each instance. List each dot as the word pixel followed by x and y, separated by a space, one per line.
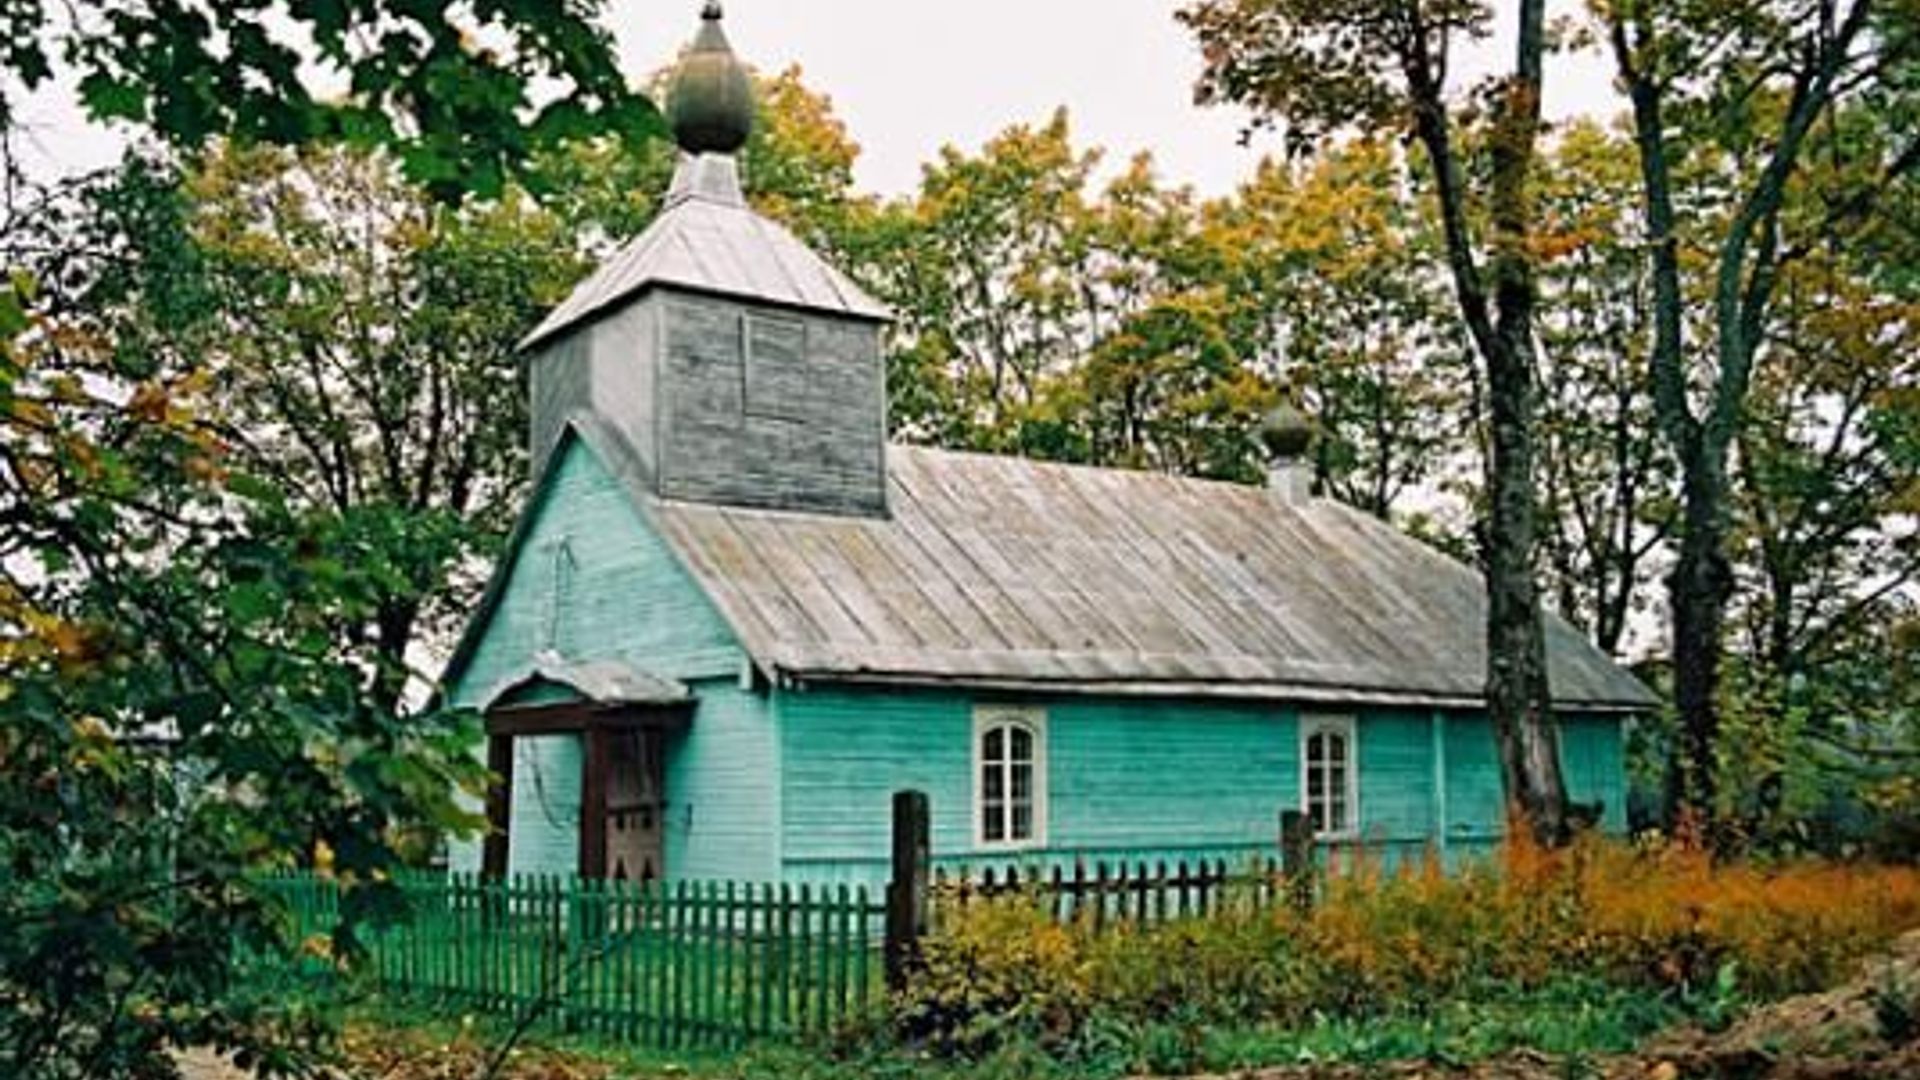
pixel 733 618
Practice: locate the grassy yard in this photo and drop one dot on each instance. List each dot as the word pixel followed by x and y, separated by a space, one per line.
pixel 1866 1028
pixel 1604 960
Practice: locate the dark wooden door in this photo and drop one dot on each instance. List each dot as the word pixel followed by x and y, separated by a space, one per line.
pixel 636 806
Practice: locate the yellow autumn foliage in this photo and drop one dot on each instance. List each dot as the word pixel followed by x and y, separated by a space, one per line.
pixel 1661 918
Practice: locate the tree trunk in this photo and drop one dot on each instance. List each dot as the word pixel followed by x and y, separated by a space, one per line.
pixel 1698 590
pixel 394 623
pixel 1519 700
pixel 1747 265
pixel 1518 695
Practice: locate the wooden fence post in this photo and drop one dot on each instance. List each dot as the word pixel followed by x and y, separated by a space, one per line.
pixel 907 891
pixel 1296 858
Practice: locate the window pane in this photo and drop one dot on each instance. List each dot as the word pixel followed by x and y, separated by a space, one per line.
pixel 1317 813
pixel 1316 782
pixel 1336 748
pixel 1316 749
pixel 1007 791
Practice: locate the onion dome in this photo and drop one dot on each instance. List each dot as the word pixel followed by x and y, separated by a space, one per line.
pixel 710 102
pixel 1286 432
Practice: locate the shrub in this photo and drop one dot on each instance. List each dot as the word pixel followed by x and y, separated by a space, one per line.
pixel 1603 917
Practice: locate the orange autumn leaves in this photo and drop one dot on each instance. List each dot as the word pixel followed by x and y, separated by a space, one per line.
pixel 1660 919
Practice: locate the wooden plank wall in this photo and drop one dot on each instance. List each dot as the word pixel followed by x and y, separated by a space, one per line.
pixel 759 407
pixel 1139 781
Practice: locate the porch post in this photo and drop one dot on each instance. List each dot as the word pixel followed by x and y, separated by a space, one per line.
pixel 493 851
pixel 593 802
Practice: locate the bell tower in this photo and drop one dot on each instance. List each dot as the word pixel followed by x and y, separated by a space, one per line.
pixel 737 365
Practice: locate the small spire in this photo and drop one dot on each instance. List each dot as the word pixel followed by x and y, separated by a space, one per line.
pixel 710 101
pixel 1287 433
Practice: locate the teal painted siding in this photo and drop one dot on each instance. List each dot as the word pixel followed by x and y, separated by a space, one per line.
pixel 1133 779
pixel 592 581
pixel 1592 759
pixel 845 752
pixel 545 825
pixel 1127 779
pixel 723 788
pixel 1396 777
pixel 546 805
pixel 1168 777
pixel 1594 751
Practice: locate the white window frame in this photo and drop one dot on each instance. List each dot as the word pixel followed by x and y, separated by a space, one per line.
pixel 1034 719
pixel 1346 728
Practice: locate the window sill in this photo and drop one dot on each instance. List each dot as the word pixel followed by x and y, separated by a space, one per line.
pixel 1008 847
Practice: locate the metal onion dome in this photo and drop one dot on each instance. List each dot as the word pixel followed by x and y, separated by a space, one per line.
pixel 1286 432
pixel 710 102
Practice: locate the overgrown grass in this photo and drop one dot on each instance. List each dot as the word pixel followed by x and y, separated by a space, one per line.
pixel 1571 1021
pixel 1633 936
pixel 1571 954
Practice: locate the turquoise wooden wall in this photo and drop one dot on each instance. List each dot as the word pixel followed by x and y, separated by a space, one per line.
pixel 1137 779
pixel 723 795
pixel 593 581
pixel 1111 796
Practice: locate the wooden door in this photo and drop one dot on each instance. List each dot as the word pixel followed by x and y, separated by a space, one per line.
pixel 636 806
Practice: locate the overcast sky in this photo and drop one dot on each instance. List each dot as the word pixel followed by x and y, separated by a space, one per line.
pixel 908 76
pixel 911 75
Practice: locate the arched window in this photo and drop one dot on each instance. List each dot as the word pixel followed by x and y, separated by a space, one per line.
pixel 1010 776
pixel 1329 775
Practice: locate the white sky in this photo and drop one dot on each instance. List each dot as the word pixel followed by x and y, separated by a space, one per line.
pixel 908 76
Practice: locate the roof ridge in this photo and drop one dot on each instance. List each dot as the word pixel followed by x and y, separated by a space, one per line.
pixel 1125 472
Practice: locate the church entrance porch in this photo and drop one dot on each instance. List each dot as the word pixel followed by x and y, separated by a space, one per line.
pixel 621 721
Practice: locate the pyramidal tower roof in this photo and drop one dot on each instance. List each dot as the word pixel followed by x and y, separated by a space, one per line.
pixel 707 239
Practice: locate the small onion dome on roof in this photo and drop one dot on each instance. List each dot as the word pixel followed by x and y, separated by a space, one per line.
pixel 1286 432
pixel 710 102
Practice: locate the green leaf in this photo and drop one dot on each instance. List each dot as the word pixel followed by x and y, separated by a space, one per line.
pixel 109 98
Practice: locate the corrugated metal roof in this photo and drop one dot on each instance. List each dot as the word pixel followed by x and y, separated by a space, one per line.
pixel 998 571
pixel 708 239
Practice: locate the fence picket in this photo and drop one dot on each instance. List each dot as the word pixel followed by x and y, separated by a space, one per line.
pixel 803 970
pixel 783 976
pixel 708 963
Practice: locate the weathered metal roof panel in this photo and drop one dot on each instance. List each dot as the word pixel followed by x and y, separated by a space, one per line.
pixel 708 239
pixel 602 682
pixel 1002 571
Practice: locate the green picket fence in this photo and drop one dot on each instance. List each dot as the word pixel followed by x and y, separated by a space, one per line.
pixel 666 965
